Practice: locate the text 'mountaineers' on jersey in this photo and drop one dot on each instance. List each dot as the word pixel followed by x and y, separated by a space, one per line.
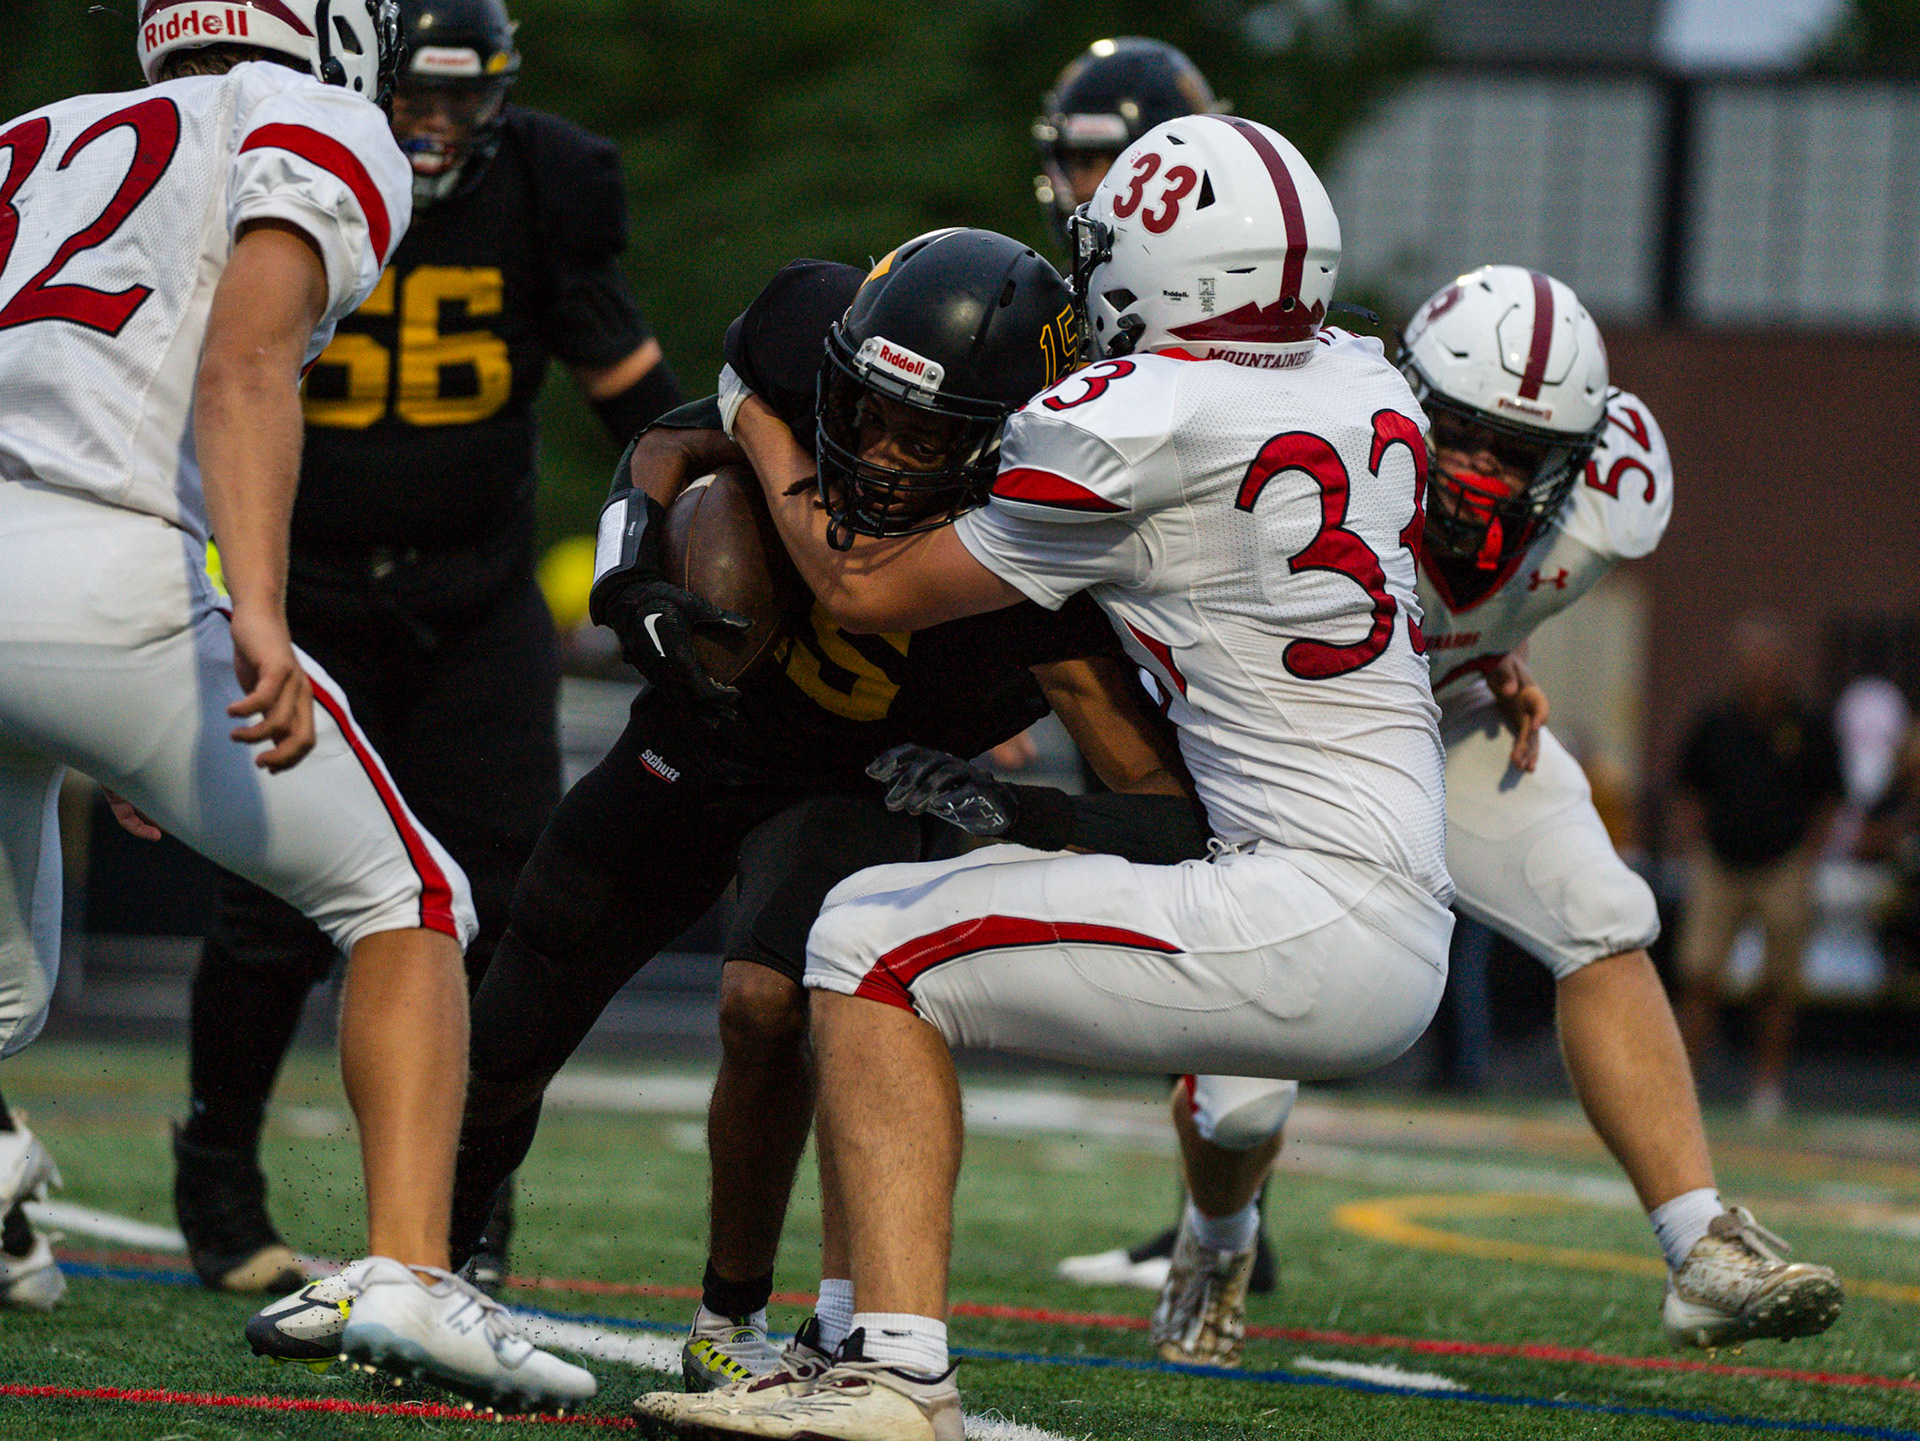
pixel 1249 534
pixel 1617 510
pixel 120 213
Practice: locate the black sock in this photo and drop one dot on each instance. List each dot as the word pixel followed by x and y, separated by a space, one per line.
pixel 735 1299
pixel 487 1159
pixel 16 1236
pixel 244 1017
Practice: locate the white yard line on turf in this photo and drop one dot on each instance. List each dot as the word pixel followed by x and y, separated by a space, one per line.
pixel 64 1216
pixel 660 1353
pixel 1380 1375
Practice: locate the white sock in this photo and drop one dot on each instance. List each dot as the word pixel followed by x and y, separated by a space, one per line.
pixel 917 1344
pixel 1680 1223
pixel 1225 1233
pixel 712 1322
pixel 834 1311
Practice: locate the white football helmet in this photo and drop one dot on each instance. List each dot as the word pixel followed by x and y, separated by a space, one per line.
pixel 354 44
pixel 1508 360
pixel 1213 235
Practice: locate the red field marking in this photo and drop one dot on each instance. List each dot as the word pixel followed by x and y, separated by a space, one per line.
pixel 433 1410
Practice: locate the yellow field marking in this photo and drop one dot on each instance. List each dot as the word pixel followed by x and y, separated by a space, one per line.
pixel 1396 1221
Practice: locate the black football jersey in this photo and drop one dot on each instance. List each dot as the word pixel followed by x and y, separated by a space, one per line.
pixel 828 702
pixel 420 431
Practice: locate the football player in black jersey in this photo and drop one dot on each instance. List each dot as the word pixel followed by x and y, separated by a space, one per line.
pixel 767 783
pixel 412 567
pixel 1108 96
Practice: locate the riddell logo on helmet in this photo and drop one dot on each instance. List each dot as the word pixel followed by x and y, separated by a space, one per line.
pixel 211 21
pixel 880 354
pixel 1524 407
pixel 224 24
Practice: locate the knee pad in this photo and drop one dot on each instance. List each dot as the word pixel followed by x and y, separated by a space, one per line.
pixel 1238 1113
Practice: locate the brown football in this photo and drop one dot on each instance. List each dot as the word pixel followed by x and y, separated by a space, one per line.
pixel 720 543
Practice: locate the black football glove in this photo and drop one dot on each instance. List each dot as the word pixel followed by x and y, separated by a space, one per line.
pixel 655 622
pixel 932 783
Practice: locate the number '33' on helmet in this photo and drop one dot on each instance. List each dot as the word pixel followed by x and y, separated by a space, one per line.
pixel 1210 234
pixel 1510 368
pixel 947 337
pixel 354 44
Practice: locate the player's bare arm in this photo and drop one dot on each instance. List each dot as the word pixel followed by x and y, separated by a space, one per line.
pixel 896 583
pixel 1130 748
pixel 247 432
pixel 1523 705
pixel 666 459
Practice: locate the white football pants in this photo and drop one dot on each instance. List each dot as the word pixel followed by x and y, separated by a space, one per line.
pixel 1263 963
pixel 116 660
pixel 1529 858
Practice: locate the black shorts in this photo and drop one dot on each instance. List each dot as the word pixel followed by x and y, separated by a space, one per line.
pixel 789 863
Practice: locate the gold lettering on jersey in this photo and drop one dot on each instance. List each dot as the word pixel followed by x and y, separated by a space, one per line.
pixel 870 692
pixel 368 367
pixel 427 353
pixel 1059 344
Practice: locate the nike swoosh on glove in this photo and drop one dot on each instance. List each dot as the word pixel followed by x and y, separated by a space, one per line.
pixel 927 782
pixel 655 622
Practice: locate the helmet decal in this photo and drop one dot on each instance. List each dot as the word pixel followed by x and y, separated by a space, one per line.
pixel 1542 341
pixel 266 7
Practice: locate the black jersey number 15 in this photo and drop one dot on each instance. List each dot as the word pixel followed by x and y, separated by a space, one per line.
pixel 443 378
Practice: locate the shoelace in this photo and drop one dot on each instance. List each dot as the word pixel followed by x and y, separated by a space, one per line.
pixel 1754 1236
pixel 496 1322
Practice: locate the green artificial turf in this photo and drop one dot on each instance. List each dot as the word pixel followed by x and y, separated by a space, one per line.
pixel 613 1197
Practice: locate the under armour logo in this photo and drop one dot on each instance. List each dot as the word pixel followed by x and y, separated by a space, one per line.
pixel 1558 582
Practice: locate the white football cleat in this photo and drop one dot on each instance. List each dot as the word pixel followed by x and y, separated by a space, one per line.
pixel 1735 1286
pixel 852 1401
pixel 1202 1314
pixel 449 1333
pixel 26 1167
pixel 722 1351
pixel 1115 1268
pixel 32 1282
pixel 306 1326
pixel 802 1361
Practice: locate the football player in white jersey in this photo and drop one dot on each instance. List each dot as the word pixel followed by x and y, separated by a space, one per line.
pixel 1238 489
pixel 1543 479
pixel 169 263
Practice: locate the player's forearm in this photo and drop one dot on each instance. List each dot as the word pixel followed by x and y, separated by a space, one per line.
pixel 663 461
pixel 247 431
pixel 247 421
pixel 786 473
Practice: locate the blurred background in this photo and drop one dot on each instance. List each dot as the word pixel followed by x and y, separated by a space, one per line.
pixel 1733 187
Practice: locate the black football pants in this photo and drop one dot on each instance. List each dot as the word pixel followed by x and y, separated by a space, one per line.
pixel 636 853
pixel 465 715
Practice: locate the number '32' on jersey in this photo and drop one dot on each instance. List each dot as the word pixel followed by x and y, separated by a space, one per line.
pixel 118 214
pixel 1249 534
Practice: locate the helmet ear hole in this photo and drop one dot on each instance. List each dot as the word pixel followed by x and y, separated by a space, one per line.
pixel 1119 299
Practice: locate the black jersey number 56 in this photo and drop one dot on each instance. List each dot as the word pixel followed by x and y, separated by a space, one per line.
pixel 442 378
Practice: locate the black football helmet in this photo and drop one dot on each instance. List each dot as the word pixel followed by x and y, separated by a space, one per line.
pixel 948 336
pixel 1107 98
pixel 460 60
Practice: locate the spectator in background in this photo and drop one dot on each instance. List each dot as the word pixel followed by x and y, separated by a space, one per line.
pixel 1759 784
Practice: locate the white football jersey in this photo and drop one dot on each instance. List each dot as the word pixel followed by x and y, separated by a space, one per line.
pixel 1248 533
pixel 1616 511
pixel 118 214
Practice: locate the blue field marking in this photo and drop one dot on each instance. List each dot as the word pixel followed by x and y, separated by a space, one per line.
pixel 1121 1363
